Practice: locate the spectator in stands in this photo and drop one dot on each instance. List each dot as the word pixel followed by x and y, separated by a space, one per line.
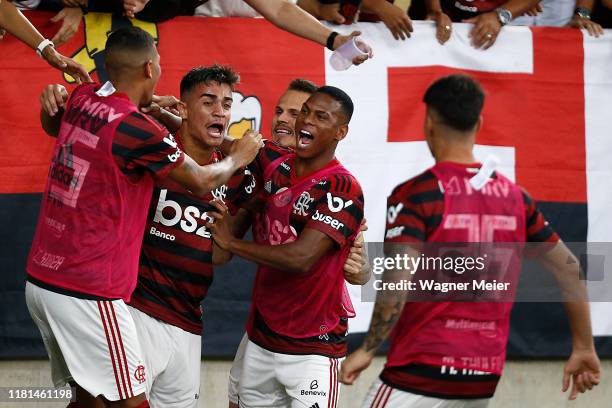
pixel 488 16
pixel 15 23
pixel 393 13
pixel 561 13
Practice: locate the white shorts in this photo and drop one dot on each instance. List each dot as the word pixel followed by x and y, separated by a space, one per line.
pixel 275 380
pixel 381 395
pixel 236 371
pixel 173 358
pixel 93 343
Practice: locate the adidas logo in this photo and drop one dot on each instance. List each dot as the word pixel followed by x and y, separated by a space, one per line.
pixel 268 186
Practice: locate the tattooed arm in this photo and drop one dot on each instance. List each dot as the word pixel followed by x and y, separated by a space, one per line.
pixel 387 310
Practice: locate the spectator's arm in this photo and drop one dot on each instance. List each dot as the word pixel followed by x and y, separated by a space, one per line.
pixel 577 21
pixel 519 7
pixel 312 7
pixel 291 18
pixel 396 19
pixel 444 25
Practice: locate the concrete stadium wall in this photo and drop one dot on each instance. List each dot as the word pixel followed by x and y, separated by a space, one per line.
pixel 533 384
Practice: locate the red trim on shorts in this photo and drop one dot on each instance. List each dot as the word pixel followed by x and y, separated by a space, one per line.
pixel 386 399
pixel 333 383
pixel 110 349
pixel 380 387
pixel 112 330
pixel 127 369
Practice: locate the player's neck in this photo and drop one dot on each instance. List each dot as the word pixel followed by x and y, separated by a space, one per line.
pixel 134 93
pixel 194 149
pixel 305 166
pixel 455 153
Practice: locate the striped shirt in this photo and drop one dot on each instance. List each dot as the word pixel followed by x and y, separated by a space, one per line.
pixel 420 214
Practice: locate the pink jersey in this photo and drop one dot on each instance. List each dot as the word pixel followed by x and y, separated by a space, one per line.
pixel 92 216
pixel 295 305
pixel 469 335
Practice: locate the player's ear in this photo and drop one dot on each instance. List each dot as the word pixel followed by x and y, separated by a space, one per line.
pixel 428 124
pixel 148 69
pixel 182 109
pixel 341 132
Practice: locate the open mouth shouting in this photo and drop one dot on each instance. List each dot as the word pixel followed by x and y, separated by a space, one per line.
pixel 215 130
pixel 305 138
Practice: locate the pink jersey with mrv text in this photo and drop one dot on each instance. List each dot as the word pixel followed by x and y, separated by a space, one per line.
pixel 93 211
pixel 470 335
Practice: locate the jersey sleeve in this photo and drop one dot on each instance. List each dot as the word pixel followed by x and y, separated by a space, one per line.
pixel 538 229
pixel 141 145
pixel 405 221
pixel 242 187
pixel 266 156
pixel 339 211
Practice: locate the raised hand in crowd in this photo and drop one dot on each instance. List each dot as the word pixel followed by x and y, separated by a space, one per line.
pixel 582 18
pixel 341 39
pixel 321 11
pixel 396 19
pixel 534 11
pixel 71 19
pixel 486 29
pixel 131 7
pixel 444 25
pixel 15 23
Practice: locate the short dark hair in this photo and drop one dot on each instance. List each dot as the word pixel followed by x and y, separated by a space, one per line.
pixel 133 39
pixel 218 73
pixel 346 103
pixel 458 99
pixel 302 85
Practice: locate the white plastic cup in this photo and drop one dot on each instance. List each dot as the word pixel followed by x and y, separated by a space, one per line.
pixel 342 58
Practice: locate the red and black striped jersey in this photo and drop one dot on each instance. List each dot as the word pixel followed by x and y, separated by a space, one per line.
pixel 140 145
pixel 417 205
pixel 176 266
pixel 414 211
pixel 313 209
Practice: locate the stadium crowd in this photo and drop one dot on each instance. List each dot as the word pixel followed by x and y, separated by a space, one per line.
pixel 487 16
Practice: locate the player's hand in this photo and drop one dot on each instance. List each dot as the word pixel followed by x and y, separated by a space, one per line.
pixel 354 364
pixel 356 271
pixel 444 25
pixel 486 29
pixel 594 29
pixel 71 19
pixel 331 13
pixel 396 20
pixel 245 149
pixel 219 228
pixel 166 102
pixel 131 7
pixel 53 98
pixel 584 370
pixel 65 64
pixel 341 39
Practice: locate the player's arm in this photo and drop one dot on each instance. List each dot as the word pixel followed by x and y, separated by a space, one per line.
pixel 291 18
pixel 583 365
pixel 201 180
pixel 53 101
pixel 240 223
pixel 164 109
pixel 297 257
